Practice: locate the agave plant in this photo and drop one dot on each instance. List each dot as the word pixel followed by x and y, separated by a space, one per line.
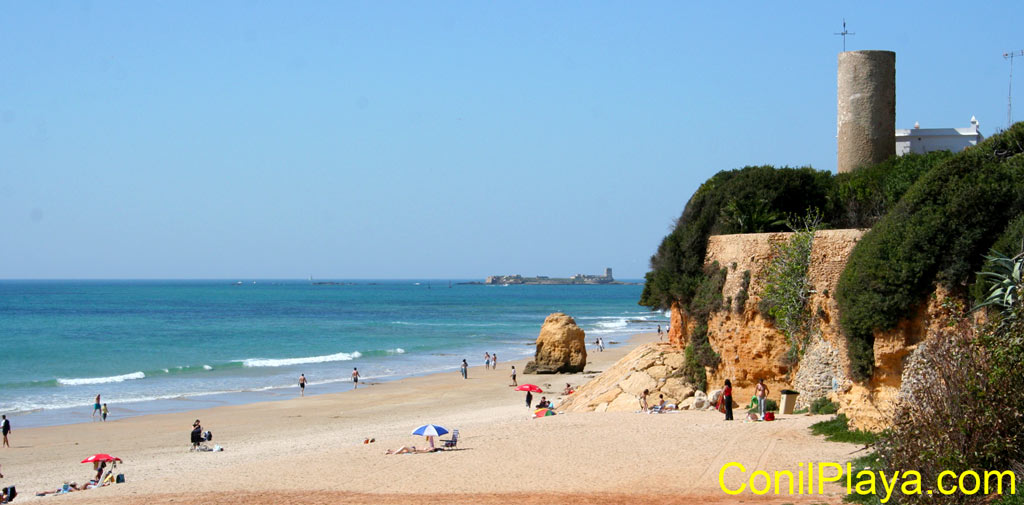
pixel 1004 277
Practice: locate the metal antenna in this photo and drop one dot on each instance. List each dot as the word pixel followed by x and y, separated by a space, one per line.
pixel 844 33
pixel 1009 96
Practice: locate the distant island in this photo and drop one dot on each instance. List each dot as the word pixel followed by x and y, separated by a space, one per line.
pixel 503 280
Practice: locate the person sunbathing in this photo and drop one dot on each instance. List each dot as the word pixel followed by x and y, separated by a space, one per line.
pixel 411 450
pixel 68 487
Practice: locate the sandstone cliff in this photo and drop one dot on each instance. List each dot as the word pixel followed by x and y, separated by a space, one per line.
pixel 561 347
pixel 751 348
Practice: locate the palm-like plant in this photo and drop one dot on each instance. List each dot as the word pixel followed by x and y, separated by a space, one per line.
pixel 1004 275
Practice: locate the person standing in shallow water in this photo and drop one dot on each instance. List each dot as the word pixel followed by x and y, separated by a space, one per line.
pixel 355 378
pixel 487 360
pixel 302 384
pixel 727 399
pixel 96 407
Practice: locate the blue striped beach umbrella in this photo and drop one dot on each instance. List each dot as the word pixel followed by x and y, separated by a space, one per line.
pixel 430 430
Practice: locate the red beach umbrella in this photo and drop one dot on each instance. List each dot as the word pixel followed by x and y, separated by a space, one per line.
pixel 96 458
pixel 529 387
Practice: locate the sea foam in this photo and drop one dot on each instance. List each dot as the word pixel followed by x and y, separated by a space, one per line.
pixel 341 356
pixel 101 380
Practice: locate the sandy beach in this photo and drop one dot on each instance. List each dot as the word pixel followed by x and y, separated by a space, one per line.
pixel 311 450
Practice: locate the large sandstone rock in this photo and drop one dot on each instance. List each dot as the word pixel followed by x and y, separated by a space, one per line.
pixel 656 367
pixel 624 403
pixel 700 401
pixel 560 347
pixel 637 382
pixel 677 388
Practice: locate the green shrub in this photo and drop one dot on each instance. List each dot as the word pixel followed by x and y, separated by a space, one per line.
pixel 867 194
pixel 742 296
pixel 838 429
pixel 723 205
pixel 769 406
pixel 938 232
pixel 823 406
pixel 786 290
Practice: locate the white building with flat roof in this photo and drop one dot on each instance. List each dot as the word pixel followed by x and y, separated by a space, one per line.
pixel 925 140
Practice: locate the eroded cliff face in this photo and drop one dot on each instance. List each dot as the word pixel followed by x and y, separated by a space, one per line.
pixel 751 348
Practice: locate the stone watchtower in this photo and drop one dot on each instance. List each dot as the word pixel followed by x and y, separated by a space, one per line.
pixel 866 117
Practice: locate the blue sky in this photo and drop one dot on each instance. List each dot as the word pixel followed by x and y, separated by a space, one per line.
pixel 430 139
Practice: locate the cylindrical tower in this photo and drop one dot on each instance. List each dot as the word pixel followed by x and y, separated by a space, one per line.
pixel 867 108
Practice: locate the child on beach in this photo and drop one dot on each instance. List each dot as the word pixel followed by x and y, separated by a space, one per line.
pixel 104 412
pixel 494 361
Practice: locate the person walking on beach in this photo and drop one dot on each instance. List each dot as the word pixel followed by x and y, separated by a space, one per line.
pixel 464 369
pixel 659 332
pixel 514 383
pixel 487 360
pixel 5 428
pixel 600 344
pixel 302 384
pixel 761 392
pixel 95 407
pixel 726 399
pixel 104 412
pixel 355 378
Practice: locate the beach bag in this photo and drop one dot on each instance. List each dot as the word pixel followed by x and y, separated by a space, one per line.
pixel 208 436
pixel 120 478
pixel 769 416
pixel 11 493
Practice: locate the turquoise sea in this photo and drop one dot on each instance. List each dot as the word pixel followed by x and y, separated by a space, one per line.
pixel 167 346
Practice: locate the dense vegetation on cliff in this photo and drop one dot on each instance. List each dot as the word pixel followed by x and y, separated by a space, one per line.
pixel 932 217
pixel 759 199
pixel 939 231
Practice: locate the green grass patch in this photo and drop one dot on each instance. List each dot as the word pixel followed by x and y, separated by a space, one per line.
pixel 867 462
pixel 838 429
pixel 824 406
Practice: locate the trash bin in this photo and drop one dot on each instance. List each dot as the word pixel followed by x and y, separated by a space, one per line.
pixel 788 401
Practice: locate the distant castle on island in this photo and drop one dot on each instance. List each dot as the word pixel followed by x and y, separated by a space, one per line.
pixel 541 279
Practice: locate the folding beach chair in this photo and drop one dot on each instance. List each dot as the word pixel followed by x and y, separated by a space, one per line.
pixel 452 441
